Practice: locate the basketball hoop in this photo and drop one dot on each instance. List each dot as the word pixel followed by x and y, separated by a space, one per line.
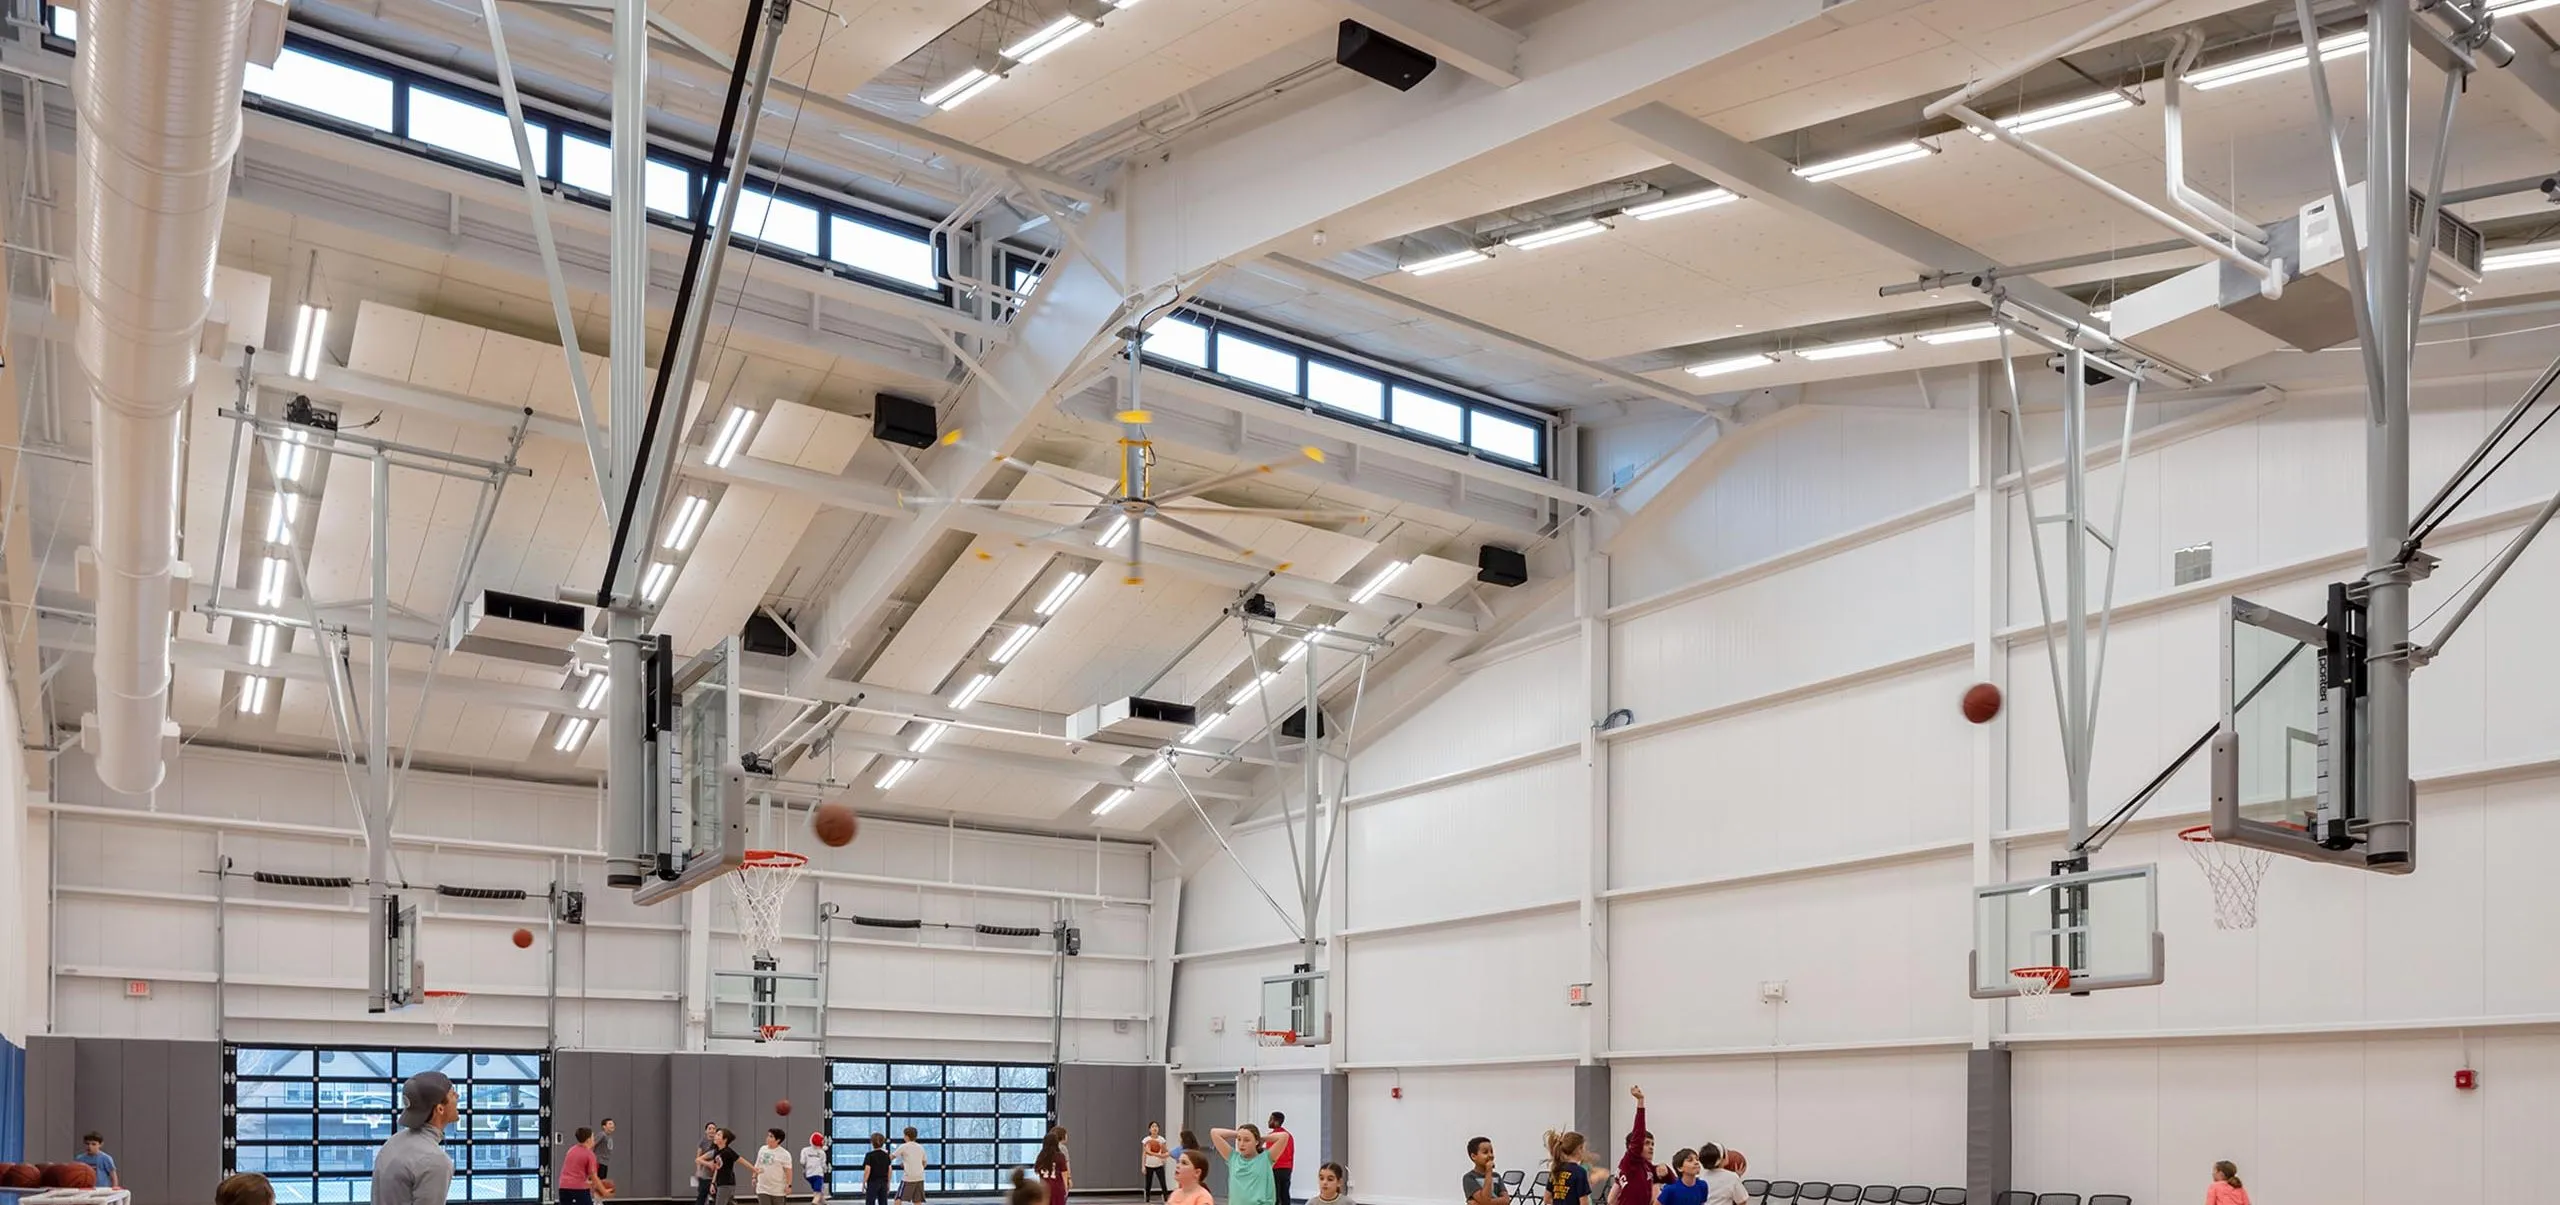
pixel 1275 1037
pixel 760 885
pixel 2036 986
pixel 771 1032
pixel 444 1008
pixel 2234 871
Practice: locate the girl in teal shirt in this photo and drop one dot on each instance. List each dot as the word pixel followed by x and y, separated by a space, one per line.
pixel 1249 1163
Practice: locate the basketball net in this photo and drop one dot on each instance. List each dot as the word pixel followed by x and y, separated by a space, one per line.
pixel 759 886
pixel 2035 989
pixel 444 1008
pixel 1275 1037
pixel 2234 871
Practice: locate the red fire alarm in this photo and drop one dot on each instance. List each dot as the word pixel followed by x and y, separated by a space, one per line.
pixel 2466 1079
pixel 1397 1092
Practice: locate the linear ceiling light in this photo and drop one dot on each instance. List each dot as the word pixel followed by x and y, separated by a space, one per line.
pixel 1961 334
pixel 1201 729
pixel 271 582
pixel 1842 351
pixel 290 454
pixel 1013 642
pixel 573 733
pixel 925 739
pixel 2531 256
pixel 653 584
pixel 1112 800
pixel 962 88
pixel 1442 263
pixel 1048 38
pixel 1111 535
pixel 732 438
pixel 262 644
pixel 1299 647
pixel 2260 66
pixel 969 694
pixel 897 770
pixel 688 522
pixel 253 696
pixel 1553 235
pixel 1865 161
pixel 282 510
pixel 1691 203
pixel 2062 114
pixel 1375 584
pixel 1154 767
pixel 1251 687
pixel 593 692
pixel 1717 368
pixel 310 332
pixel 1059 594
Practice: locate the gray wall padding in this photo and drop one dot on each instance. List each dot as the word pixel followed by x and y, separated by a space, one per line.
pixel 1987 1138
pixel 1334 1089
pixel 1591 1106
pixel 1106 1108
pixel 158 1103
pixel 50 1138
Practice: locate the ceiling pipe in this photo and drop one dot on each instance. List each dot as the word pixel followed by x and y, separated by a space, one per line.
pixel 158 89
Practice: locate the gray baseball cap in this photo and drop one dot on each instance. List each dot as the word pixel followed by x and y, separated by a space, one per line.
pixel 420 1096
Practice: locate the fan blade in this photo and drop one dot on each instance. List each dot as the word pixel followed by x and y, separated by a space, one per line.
pixel 1087 525
pixel 1044 471
pixel 1314 454
pixel 1210 537
pixel 1270 512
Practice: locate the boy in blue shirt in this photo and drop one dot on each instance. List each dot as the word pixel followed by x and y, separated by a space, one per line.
pixel 93 1151
pixel 1689 1187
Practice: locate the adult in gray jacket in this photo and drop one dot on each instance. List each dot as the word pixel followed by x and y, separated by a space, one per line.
pixel 412 1168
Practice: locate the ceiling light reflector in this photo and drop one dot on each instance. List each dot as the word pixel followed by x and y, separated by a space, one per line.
pixel 1112 800
pixel 2062 114
pixel 253 696
pixel 925 739
pixel 1059 594
pixel 573 732
pixel 1048 38
pixel 1111 535
pixel 593 692
pixel 688 523
pixel 271 582
pixel 653 584
pixel 2275 62
pixel 1553 235
pixel 732 438
pixel 310 334
pixel 1865 161
pixel 1013 643
pixel 262 644
pixel 961 88
pixel 1442 263
pixel 1843 351
pixel 969 694
pixel 1690 203
pixel 282 510
pixel 1717 368
pixel 897 770
pixel 1961 334
pixel 1375 584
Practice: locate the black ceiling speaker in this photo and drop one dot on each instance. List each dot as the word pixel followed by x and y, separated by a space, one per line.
pixel 763 635
pixel 1381 58
pixel 1501 566
pixel 901 420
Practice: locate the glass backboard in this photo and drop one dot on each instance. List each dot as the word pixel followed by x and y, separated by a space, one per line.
pixel 742 1002
pixel 2274 712
pixel 2102 925
pixel 1296 1004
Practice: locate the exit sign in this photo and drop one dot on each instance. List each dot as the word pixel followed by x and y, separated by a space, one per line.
pixel 139 989
pixel 1577 994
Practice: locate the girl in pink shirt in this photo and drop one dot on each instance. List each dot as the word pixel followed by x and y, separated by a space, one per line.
pixel 2226 1189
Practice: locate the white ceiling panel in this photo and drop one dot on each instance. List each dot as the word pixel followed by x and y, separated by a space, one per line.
pixel 821 441
pixel 744 542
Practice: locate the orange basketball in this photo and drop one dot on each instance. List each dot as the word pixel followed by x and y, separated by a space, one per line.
pixel 782 1108
pixel 20 1175
pixel 1981 702
pixel 834 822
pixel 524 939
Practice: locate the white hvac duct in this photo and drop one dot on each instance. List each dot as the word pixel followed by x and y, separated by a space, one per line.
pixel 158 89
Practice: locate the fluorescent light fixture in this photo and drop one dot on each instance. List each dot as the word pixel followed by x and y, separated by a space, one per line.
pixel 593 692
pixel 253 696
pixel 2062 114
pixel 262 644
pixel 1717 368
pixel 1375 584
pixel 732 438
pixel 1111 535
pixel 1059 594
pixel 653 584
pixel 2532 256
pixel 1112 800
pixel 1842 351
pixel 1961 334
pixel 310 332
pixel 573 733
pixel 1442 263
pixel 1049 37
pixel 1299 648
pixel 1690 203
pixel 897 770
pixel 688 524
pixel 282 510
pixel 271 582
pixel 962 86
pixel 2499 8
pixel 1250 688
pixel 925 739
pixel 1865 161
pixel 1558 234
pixel 2276 62
pixel 290 454
pixel 1201 729
pixel 1013 643
pixel 969 694
pixel 1155 766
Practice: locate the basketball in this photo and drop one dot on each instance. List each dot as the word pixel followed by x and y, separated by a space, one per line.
pixel 20 1175
pixel 1981 702
pixel 524 939
pixel 834 823
pixel 782 1108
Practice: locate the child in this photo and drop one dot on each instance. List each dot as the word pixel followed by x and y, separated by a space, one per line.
pixel 1568 1182
pixel 911 1169
pixel 1152 1156
pixel 723 1172
pixel 1481 1185
pixel 773 1170
pixel 1249 1180
pixel 577 1182
pixel 1685 1188
pixel 1635 1177
pixel 2226 1188
pixel 1190 1180
pixel 1027 1190
pixel 1331 1179
pixel 247 1188
pixel 1724 1177
pixel 102 1166
pixel 875 1171
pixel 1052 1166
pixel 813 1165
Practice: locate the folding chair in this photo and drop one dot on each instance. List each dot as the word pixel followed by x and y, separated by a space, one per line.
pixel 2110 1198
pixel 1878 1194
pixel 1911 1194
pixel 1947 1196
pixel 1757 1188
pixel 1537 1187
pixel 2017 1197
pixel 1845 1193
pixel 2058 1198
pixel 1781 1191
pixel 1511 1184
pixel 1812 1191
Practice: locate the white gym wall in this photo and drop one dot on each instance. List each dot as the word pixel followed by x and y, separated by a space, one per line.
pixel 1799 800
